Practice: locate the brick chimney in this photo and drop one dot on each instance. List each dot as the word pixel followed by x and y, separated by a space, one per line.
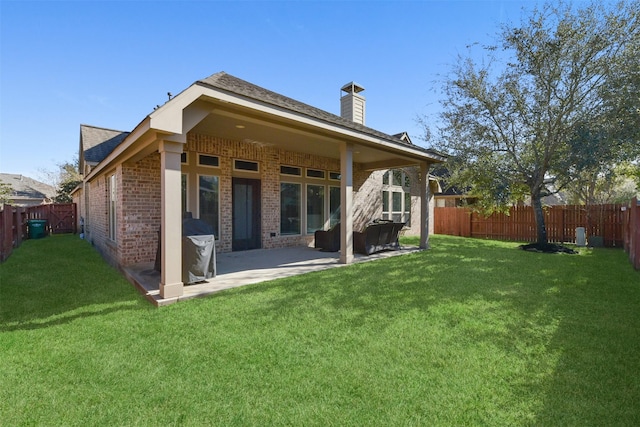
pixel 352 103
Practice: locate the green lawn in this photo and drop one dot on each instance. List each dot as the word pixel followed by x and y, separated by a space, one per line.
pixel 471 332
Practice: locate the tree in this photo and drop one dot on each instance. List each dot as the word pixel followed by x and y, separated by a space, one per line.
pixel 69 180
pixel 6 190
pixel 512 129
pixel 65 179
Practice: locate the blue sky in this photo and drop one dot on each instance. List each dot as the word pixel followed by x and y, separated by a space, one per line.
pixel 107 64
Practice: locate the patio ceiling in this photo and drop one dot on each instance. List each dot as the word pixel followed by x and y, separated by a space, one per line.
pixel 249 125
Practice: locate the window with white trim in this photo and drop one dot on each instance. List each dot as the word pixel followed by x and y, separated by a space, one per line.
pixel 290 208
pixel 315 208
pixel 246 166
pixel 184 187
pixel 113 201
pixel 396 196
pixel 309 200
pixel 334 206
pixel 209 201
pixel 207 160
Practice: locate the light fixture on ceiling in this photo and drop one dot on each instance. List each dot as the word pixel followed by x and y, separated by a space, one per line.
pixel 240 126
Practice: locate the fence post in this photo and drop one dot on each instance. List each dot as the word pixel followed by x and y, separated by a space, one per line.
pixel 17 227
pixel 6 232
pixel 634 244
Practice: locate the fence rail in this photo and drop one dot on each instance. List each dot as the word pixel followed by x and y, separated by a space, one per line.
pixel 60 217
pixel 600 221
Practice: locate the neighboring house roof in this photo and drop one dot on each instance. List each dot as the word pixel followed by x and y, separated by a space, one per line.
pixel 27 191
pixel 404 136
pixel 442 174
pixel 238 86
pixel 96 143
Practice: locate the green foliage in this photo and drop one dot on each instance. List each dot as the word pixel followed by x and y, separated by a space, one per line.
pixel 68 179
pixel 559 100
pixel 632 172
pixel 471 332
pixel 63 194
pixel 5 193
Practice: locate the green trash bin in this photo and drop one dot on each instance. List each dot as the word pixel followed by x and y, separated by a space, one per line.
pixel 37 228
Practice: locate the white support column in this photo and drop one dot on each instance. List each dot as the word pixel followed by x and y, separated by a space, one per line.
pixel 171 285
pixel 424 205
pixel 346 203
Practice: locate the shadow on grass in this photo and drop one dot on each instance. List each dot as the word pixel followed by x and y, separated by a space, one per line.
pixel 571 319
pixel 56 280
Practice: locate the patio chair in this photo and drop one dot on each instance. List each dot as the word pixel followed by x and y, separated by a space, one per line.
pixel 328 241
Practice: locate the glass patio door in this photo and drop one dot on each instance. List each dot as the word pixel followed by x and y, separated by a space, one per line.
pixel 246 214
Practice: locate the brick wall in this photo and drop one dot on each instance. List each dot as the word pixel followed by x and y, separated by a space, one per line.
pixel 97 216
pixel 270 160
pixel 368 199
pixel 140 211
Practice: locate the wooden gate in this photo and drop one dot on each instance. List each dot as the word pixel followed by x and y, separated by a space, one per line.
pixel 61 217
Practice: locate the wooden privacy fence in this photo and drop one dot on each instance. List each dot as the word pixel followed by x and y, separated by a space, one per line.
pixel 632 232
pixel 604 221
pixel 61 218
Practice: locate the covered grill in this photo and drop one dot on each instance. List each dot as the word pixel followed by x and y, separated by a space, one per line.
pixel 198 251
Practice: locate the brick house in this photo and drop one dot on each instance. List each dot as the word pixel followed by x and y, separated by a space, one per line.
pixel 264 170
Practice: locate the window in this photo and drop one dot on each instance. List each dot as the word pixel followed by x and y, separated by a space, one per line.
pixel 113 218
pixel 396 196
pixel 183 185
pixel 399 178
pixel 209 201
pixel 315 173
pixel 334 206
pixel 311 202
pixel 407 208
pixel 290 206
pixel 243 165
pixel 396 177
pixel 385 205
pixel 212 161
pixel 396 206
pixel 183 158
pixel 290 170
pixel 315 208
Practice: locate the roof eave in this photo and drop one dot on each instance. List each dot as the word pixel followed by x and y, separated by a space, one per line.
pixel 231 97
pixel 141 129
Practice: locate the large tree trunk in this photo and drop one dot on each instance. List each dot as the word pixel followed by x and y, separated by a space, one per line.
pixel 536 202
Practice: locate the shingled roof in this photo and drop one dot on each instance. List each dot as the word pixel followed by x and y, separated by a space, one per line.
pixel 97 143
pixel 27 191
pixel 238 86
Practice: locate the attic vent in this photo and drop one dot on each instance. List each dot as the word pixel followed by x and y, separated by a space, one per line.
pixel 352 105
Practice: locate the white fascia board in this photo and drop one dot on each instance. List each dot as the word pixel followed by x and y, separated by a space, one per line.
pixel 169 118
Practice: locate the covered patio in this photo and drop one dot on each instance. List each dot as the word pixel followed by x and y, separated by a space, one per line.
pixel 263 170
pixel 242 268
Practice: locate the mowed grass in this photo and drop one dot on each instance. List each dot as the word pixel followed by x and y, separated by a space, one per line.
pixel 471 332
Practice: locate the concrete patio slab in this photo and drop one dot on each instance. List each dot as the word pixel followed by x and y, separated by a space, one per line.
pixel 235 269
